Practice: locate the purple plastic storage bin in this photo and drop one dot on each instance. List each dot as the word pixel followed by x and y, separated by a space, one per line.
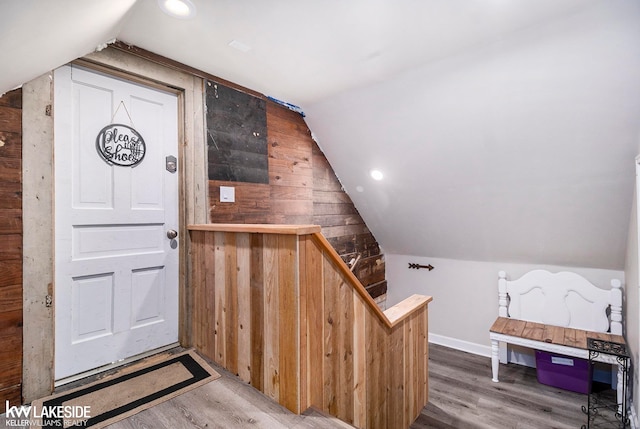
pixel 565 372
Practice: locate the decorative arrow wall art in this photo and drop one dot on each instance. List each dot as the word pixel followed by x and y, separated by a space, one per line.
pixel 418 266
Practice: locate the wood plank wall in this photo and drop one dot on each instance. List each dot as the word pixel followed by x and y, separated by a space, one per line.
pixel 11 249
pixel 303 189
pixel 277 311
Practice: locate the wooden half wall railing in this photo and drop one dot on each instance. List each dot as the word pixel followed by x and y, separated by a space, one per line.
pixel 277 306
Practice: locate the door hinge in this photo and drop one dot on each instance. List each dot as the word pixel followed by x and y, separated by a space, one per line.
pixel 48 300
pixel 47 110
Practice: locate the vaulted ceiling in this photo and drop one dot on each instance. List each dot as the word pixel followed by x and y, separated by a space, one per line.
pixel 506 129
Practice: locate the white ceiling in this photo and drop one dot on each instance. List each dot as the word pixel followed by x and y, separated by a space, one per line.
pixel 506 129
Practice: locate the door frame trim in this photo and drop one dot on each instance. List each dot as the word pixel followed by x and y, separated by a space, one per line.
pixel 38 199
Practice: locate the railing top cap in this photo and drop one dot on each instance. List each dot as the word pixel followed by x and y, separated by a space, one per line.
pixel 256 228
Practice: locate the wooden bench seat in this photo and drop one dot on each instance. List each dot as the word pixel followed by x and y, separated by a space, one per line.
pixel 549 334
pixel 553 339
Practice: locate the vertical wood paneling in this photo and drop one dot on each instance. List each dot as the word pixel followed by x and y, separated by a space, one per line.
pixel 345 358
pixel 303 326
pixel 424 339
pixel 209 295
pixel 220 298
pixel 197 267
pixel 271 383
pixel 420 357
pixel 257 312
pixel 410 353
pixel 373 374
pixel 383 341
pixel 243 245
pixel 289 347
pixel 359 364
pixel 331 340
pixel 398 366
pixel 315 321
pixel 301 333
pixel 202 284
pixel 231 302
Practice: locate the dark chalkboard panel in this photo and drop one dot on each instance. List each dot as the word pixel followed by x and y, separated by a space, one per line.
pixel 236 135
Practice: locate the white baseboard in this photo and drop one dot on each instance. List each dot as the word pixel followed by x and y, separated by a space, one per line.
pixel 465 346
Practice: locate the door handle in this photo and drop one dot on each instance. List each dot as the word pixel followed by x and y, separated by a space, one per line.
pixel 171 234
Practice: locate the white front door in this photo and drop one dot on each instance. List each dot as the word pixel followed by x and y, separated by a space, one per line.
pixel 116 270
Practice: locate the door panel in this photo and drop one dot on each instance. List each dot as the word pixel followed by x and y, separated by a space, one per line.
pixel 98 192
pixel 115 240
pixel 148 297
pixel 116 283
pixel 94 295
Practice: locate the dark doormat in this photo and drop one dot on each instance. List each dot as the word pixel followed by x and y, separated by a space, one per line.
pixel 124 394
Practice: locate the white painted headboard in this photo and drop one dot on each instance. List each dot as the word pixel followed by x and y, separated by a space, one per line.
pixel 562 299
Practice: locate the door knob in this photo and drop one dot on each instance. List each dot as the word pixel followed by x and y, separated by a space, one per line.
pixel 171 234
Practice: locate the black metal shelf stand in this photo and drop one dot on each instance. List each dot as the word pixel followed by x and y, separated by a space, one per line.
pixel 601 410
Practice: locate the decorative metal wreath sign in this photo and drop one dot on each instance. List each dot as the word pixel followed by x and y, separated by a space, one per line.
pixel 120 144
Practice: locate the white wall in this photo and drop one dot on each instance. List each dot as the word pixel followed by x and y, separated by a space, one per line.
pixel 500 153
pixel 465 294
pixel 631 303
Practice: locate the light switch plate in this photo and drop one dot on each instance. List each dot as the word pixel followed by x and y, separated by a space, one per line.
pixel 227 194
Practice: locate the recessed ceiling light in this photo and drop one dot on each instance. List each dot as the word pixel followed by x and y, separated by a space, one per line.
pixel 376 174
pixel 183 9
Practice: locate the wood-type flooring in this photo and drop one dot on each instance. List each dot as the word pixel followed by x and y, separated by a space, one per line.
pixel 461 395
